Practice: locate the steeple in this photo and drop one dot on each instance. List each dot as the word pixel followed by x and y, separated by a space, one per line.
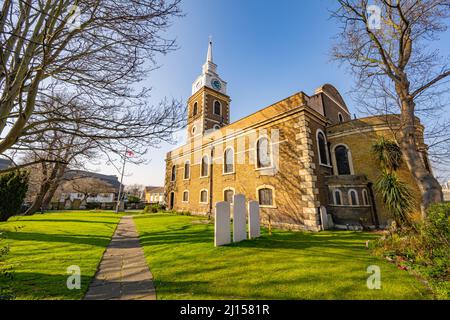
pixel 209 65
pixel 209 77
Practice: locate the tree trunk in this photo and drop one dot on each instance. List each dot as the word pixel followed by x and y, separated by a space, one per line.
pixel 54 186
pixel 429 187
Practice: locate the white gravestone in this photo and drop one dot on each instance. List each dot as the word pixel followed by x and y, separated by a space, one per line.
pixel 239 218
pixel 324 218
pixel 222 224
pixel 253 220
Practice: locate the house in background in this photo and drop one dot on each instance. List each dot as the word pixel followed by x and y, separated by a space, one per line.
pixel 81 188
pixel 446 191
pixel 154 195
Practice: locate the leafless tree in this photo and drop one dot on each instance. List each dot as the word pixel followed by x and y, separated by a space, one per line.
pixel 134 190
pixel 396 70
pixel 101 59
pixel 87 186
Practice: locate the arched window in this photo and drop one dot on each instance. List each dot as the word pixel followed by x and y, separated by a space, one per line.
pixel 228 159
pixel 228 195
pixel 217 108
pixel 341 118
pixel 174 173
pixel 365 197
pixel 337 198
pixel 186 196
pixel 187 170
pixel 204 196
pixel 342 160
pixel 205 165
pixel 263 157
pixel 353 197
pixel 195 109
pixel 265 197
pixel 216 127
pixel 194 129
pixel 322 146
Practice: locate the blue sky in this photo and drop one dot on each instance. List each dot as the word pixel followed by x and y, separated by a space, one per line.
pixel 266 51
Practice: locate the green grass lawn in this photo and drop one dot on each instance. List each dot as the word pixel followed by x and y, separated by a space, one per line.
pixel 43 246
pixel 288 265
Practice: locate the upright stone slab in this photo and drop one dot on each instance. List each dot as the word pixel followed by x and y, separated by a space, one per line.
pixel 254 228
pixel 324 218
pixel 222 224
pixel 239 218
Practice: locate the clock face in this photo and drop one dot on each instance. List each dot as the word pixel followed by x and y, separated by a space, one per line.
pixel 216 84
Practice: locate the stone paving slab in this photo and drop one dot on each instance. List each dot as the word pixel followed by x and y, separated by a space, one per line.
pixel 123 273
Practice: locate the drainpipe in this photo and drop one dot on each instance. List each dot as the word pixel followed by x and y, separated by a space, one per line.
pixel 211 172
pixel 373 207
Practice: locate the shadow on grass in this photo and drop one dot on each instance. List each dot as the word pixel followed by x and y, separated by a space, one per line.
pixel 66 220
pixel 101 241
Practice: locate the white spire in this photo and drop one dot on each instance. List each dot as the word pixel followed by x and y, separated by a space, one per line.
pixel 209 57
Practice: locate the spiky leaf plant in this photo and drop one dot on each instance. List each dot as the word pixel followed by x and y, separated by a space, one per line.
pixel 388 154
pixel 397 197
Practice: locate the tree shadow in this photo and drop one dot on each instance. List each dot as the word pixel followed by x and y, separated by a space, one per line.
pixel 100 241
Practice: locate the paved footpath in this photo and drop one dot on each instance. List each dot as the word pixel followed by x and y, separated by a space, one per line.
pixel 123 273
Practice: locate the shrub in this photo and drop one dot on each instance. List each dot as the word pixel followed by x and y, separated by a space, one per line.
pixel 424 247
pixel 13 188
pixel 6 273
pixel 133 199
pixel 93 205
pixel 396 196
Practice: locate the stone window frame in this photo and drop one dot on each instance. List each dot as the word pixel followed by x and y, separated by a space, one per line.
pixel 327 164
pixel 334 161
pixel 216 127
pixel 266 186
pixel 187 162
pixel 340 197
pixel 214 108
pixel 200 198
pixel 201 166
pixel 224 161
pixel 271 166
pixel 350 201
pixel 365 198
pixel 185 192
pixel 173 174
pixel 227 189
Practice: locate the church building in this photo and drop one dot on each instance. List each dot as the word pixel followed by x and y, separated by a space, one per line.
pixel 303 158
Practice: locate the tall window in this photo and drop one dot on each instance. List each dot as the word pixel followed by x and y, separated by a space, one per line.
pixel 228 161
pixel 322 145
pixel 341 118
pixel 195 109
pixel 174 173
pixel 228 195
pixel 186 196
pixel 217 108
pixel 205 165
pixel 265 197
pixel 337 198
pixel 187 170
pixel 365 197
pixel 204 196
pixel 342 161
pixel 353 197
pixel 263 153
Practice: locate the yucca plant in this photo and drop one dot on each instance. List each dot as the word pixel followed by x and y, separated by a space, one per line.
pixel 388 154
pixel 396 196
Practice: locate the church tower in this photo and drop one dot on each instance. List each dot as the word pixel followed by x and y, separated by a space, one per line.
pixel 209 105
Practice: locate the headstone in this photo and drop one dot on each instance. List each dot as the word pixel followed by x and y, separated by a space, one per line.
pixel 239 218
pixel 324 218
pixel 222 224
pixel 253 220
